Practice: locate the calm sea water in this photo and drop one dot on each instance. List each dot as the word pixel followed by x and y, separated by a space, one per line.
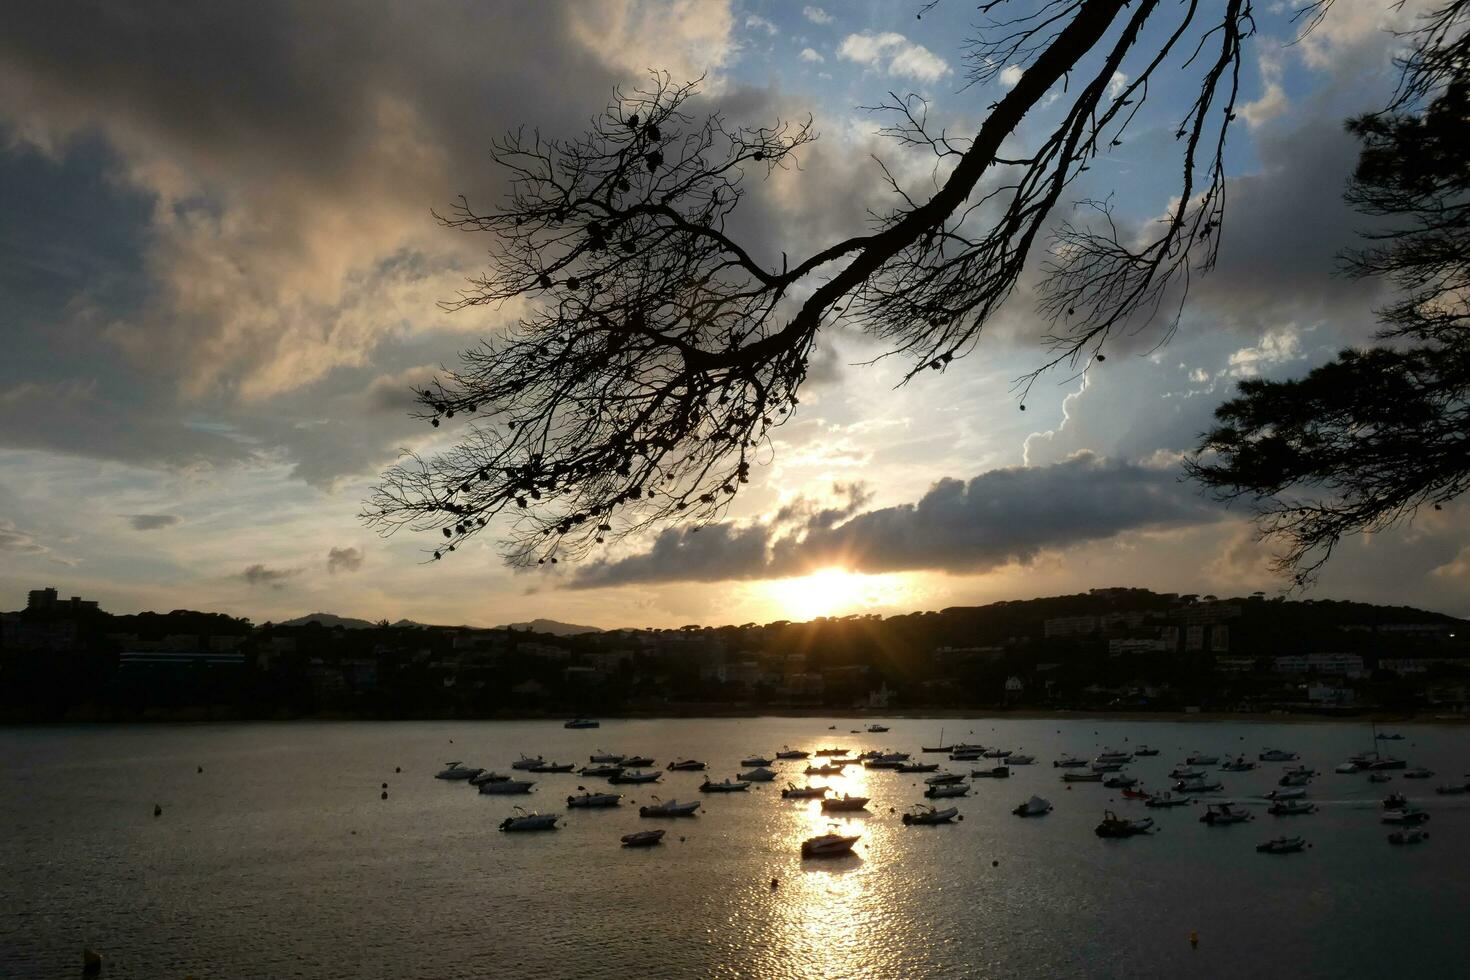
pixel 281 860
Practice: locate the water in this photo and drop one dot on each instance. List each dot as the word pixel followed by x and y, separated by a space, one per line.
pixel 281 860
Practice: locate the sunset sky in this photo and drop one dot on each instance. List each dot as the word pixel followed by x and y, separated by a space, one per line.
pixel 220 278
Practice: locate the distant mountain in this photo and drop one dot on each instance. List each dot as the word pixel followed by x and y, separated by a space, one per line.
pixel 551 626
pixel 330 621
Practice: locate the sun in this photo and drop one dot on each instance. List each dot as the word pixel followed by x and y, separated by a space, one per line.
pixel 831 591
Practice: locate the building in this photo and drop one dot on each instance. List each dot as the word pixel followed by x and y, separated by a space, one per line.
pixel 1069 626
pixel 46 600
pixel 1341 664
pixel 1194 638
pixel 1120 646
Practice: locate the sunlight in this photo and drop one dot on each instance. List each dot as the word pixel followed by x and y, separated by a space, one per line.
pixel 834 591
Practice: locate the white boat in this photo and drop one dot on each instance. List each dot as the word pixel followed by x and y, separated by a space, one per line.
pixel 1223 814
pixel 636 761
pixel 1409 835
pixel 760 774
pixel 944 778
pixel 1018 759
pixel 787 752
pixel 488 777
pixel 1082 777
pixel 1107 766
pixel 1114 826
pixel 1288 793
pixel 1201 759
pixel 1120 781
pixel 453 770
pixel 1452 789
pixel 827 769
pixel 554 767
pixel 685 765
pixel 601 756
pixel 1294 779
pixel 1185 772
pixel 1288 808
pixel 1348 768
pixel 1277 755
pixel 582 723
pixel 1405 816
pixel 1301 771
pixel 1034 807
pixel 756 760
pixel 592 800
pixel 1199 784
pixel 996 753
pixel 1241 764
pixel 1379 777
pixel 526 762
pixel 794 792
pixel 876 728
pixel 1068 762
pixel 1144 750
pixel 1164 801
pixel 605 771
pixel 670 808
pixel 844 802
pixel 643 838
pixel 827 845
pixel 994 772
pixel 530 821
pixel 1112 755
pixel 947 791
pixel 927 815
pixel 507 787
pixel 1418 772
pixel 631 776
pixel 1282 845
pixel 726 786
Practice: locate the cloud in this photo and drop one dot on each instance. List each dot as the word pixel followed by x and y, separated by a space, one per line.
pixel 259 575
pixel 816 15
pixel 344 560
pixel 14 541
pixel 1010 75
pixel 810 54
pixel 1001 517
pixel 152 522
pixel 755 21
pixel 895 54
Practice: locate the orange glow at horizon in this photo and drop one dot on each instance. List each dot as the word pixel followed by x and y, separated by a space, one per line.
pixel 835 591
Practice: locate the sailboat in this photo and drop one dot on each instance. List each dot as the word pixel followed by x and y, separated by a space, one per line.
pixel 941 747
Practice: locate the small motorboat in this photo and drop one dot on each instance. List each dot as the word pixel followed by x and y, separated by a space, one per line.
pixel 488 777
pixel 1145 751
pixel 1018 759
pixel 686 765
pixel 830 751
pixel 1406 816
pixel 1112 755
pixel 1348 768
pixel 453 770
pixel 636 761
pixel 1166 800
pixel 947 791
pixel 1185 772
pixel 966 755
pixel 1108 766
pixel 1294 779
pixel 1199 784
pixel 1277 755
pixel 1290 793
pixel 1387 737
pixel 1068 762
pixel 827 845
pixel 1395 801
pixel 1379 777
pixel 507 787
pixel 794 792
pixel 554 767
pixel 1082 777
pixel 1418 772
pixel 633 776
pixel 526 762
pixel 1291 808
pixel 1136 794
pixel 643 838
pixel 756 760
pixel 828 769
pixel 1301 771
pixel 726 786
pixel 1410 835
pixel 582 723
pixel 944 779
pixel 927 816
pixel 1114 826
pixel 669 808
pixel 877 729
pixel 605 771
pixel 886 760
pixel 1223 814
pixel 601 756
pixel 1387 762
pixel 1034 807
pixel 994 772
pixel 1120 781
pixel 1241 764
pixel 787 752
pixel 996 753
pixel 1450 789
pixel 837 804
pixel 760 774
pixel 592 800
pixel 530 821
pixel 918 767
pixel 1201 759
pixel 1282 845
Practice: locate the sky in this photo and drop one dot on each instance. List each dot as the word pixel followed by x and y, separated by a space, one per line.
pixel 219 277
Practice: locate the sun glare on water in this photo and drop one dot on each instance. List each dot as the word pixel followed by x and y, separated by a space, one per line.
pixel 834 591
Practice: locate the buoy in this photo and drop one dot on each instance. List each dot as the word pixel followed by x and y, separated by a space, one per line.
pixel 995 864
pixel 201 768
pixel 397 768
pixel 1193 938
pixel 385 795
pixel 774 883
pixel 91 963
pixel 385 785
pixel 157 810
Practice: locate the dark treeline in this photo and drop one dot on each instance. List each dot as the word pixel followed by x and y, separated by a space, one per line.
pixel 1110 649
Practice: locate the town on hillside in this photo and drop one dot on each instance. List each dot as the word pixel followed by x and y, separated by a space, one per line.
pixel 1109 649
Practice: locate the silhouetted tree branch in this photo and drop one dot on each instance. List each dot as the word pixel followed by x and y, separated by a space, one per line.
pixel 657 353
pixel 1377 433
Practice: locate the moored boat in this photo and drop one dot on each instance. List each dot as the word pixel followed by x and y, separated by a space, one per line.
pixel 488 777
pixel 1114 826
pixel 507 787
pixel 1199 784
pixel 456 771
pixel 668 808
pixel 529 821
pixel 1223 814
pixel 944 778
pixel 1294 779
pixel 787 752
pixel 918 767
pixel 1144 751
pixel 1202 759
pixel 760 774
pixel 994 772
pixel 1291 808
pixel 725 786
pixel 1406 816
pixel 755 760
pixel 1165 800
pixel 876 728
pixel 829 769
pixel 1082 777
pixel 601 756
pixel 636 761
pixel 633 776
pixel 1120 781
pixel 527 761
pixel 593 800
pixel 1277 755
pixel 1289 793
pixel 554 767
pixel 1034 807
pixel 947 791
pixel 685 765
pixel 794 792
pixel 1409 835
pixel 604 771
pixel 1020 759
pixel 1418 772
pixel 1452 789
pixel 582 723
pixel 845 802
pixel 1241 764
pixel 643 838
pixel 927 816
pixel 1282 845
pixel 1068 762
pixel 827 845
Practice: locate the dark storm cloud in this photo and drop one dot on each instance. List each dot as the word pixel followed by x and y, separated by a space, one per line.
pixel 1000 517
pixel 344 560
pixel 152 522
pixel 259 575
